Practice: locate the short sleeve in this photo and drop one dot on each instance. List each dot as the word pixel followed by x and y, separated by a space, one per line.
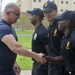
pixel 4 30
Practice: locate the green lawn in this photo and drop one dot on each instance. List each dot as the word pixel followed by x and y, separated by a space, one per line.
pixel 24 31
pixel 25 63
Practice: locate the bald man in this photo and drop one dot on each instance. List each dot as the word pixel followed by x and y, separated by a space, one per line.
pixel 9 47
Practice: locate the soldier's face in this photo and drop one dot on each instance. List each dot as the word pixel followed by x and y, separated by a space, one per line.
pixel 50 16
pixel 33 19
pixel 62 25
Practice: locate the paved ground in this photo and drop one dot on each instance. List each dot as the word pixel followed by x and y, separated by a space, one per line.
pixel 25 72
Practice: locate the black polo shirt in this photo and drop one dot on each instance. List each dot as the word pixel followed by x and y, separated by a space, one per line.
pixel 54 39
pixel 68 50
pixel 7 57
pixel 40 39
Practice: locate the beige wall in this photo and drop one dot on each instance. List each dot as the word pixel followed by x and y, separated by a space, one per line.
pixel 30 4
pixel 63 6
pixel 25 5
pixel 38 4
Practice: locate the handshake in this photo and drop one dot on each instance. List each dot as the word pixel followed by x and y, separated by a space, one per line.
pixel 41 58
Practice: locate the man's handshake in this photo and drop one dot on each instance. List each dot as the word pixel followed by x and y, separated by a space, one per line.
pixel 41 58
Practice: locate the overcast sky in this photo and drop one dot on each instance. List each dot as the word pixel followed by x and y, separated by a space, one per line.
pixel 4 2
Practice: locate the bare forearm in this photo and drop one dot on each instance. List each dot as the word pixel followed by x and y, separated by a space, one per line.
pixel 18 49
pixel 15 47
pixel 57 60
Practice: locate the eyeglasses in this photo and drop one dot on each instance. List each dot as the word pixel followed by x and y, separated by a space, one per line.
pixel 17 14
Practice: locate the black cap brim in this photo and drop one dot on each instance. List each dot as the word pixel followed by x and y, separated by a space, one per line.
pixel 58 17
pixel 30 12
pixel 49 10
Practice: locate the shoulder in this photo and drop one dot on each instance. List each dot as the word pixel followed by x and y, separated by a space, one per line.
pixel 4 27
pixel 73 34
pixel 42 29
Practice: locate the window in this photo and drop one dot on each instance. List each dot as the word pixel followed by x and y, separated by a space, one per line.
pixel 66 2
pixel 39 0
pixel 61 2
pixel 53 1
pixel 61 10
pixel 19 5
pixel 34 0
pixel 34 8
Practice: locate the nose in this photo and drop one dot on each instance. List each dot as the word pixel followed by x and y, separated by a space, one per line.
pixel 18 17
pixel 29 17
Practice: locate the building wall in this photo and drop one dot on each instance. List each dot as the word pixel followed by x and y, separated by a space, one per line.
pixel 61 4
pixel 38 3
pixel 65 5
pixel 24 5
pixel 30 4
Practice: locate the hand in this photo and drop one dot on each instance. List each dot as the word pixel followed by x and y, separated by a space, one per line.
pixel 44 60
pixel 40 58
pixel 16 68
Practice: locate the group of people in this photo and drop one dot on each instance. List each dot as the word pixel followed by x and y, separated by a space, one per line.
pixel 52 49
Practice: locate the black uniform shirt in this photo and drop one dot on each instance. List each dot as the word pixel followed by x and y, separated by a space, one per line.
pixel 68 50
pixel 54 39
pixel 40 40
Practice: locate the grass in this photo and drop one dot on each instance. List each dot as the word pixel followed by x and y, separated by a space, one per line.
pixel 24 31
pixel 25 63
pixel 25 41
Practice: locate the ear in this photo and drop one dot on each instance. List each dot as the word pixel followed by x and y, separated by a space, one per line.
pixel 67 22
pixel 37 17
pixel 56 11
pixel 8 13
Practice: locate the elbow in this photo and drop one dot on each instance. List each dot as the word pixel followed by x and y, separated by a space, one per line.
pixel 13 49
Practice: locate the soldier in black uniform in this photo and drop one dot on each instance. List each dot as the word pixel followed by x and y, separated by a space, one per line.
pixel 50 10
pixel 67 25
pixel 39 40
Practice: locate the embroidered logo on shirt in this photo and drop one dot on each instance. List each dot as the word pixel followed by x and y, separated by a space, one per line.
pixel 68 44
pixel 70 72
pixel 55 32
pixel 35 36
pixel 46 4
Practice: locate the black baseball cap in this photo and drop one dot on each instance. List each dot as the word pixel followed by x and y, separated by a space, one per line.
pixel 49 6
pixel 66 15
pixel 37 11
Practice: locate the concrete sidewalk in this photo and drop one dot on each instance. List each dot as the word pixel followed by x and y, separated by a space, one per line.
pixel 25 72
